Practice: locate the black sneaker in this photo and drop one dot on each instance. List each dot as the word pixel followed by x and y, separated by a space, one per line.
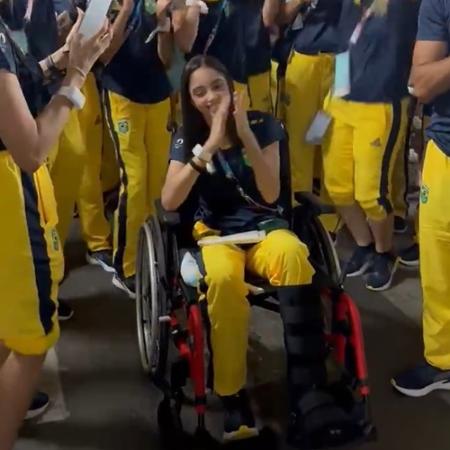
pixel 400 225
pixel 359 261
pixel 38 406
pixel 239 422
pixel 410 256
pixel 421 381
pixel 101 258
pixel 382 270
pixel 127 285
pixel 65 312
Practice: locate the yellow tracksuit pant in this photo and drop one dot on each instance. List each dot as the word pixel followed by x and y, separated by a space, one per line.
pixel 281 259
pixel 95 228
pixel 359 154
pixel 143 150
pixel 110 174
pixel 434 236
pixel 259 92
pixel 306 86
pixel 66 169
pixel 31 261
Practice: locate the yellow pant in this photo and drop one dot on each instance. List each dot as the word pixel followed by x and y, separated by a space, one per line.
pixel 259 92
pixel 281 259
pixel 143 151
pixel 359 153
pixel 400 180
pixel 94 226
pixel 66 170
pixel 306 86
pixel 434 235
pixel 110 175
pixel 31 262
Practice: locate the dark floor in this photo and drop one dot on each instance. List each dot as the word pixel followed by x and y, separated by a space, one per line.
pixel 112 405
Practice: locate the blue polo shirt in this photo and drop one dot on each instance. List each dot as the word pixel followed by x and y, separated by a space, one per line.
pixel 229 44
pixel 220 205
pixel 434 26
pixel 136 71
pixel 381 58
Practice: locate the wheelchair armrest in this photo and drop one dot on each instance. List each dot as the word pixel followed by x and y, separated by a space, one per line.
pixel 168 218
pixel 313 203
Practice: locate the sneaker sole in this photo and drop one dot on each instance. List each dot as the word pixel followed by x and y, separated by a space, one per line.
pixel 37 412
pixel 386 286
pixel 243 433
pixel 66 318
pixel 407 263
pixel 416 393
pixel 118 284
pixel 363 269
pixel 96 262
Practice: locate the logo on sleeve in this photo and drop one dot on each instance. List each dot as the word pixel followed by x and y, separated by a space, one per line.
pixel 424 194
pixel 179 143
pixel 123 127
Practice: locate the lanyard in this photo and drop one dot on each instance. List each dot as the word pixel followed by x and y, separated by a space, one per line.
pixel 360 26
pixel 231 176
pixel 215 30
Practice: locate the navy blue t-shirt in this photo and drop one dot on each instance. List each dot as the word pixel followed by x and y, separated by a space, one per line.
pixel 220 204
pixel 381 58
pixel 136 71
pixel 434 25
pixel 320 31
pixel 229 43
pixel 257 38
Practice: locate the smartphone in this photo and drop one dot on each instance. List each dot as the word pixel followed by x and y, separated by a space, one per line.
pixel 94 17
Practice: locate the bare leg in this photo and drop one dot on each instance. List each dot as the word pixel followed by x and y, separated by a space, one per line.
pixel 4 353
pixel 18 379
pixel 355 219
pixel 383 232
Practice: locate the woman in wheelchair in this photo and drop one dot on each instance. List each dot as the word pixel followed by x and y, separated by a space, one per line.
pixel 232 157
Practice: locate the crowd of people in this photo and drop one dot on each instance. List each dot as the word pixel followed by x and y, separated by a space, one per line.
pixel 170 95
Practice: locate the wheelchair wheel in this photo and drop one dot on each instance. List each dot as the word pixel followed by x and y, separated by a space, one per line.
pixel 153 321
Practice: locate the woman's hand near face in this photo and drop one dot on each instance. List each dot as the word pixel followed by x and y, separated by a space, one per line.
pixel 240 114
pixel 218 125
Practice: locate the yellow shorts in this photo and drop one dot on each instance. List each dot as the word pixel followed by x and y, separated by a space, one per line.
pixel 31 260
pixel 259 91
pixel 360 151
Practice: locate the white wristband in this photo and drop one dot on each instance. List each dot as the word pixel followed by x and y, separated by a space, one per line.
pixel 200 154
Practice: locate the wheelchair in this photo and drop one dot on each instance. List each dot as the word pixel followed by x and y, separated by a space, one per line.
pixel 171 323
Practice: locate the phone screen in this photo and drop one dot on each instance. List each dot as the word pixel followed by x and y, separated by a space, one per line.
pixel 94 17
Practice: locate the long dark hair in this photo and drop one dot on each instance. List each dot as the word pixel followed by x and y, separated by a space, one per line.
pixel 195 129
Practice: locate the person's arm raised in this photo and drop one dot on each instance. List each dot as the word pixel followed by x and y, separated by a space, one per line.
pixel 165 36
pixel 29 139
